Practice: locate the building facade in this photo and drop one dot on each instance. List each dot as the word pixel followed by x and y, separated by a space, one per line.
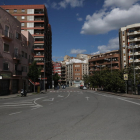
pixel 75 70
pixel 34 18
pixel 110 60
pixel 15 54
pixel 129 41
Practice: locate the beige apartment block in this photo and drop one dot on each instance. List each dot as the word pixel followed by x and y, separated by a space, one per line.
pixel 129 40
pixel 75 70
pixel 16 54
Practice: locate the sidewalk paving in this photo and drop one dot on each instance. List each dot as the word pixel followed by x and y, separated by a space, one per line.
pixel 19 95
pixel 48 90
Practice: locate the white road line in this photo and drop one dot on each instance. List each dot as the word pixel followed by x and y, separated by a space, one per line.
pixel 51 99
pixel 68 95
pixel 87 98
pixel 128 101
pixel 15 113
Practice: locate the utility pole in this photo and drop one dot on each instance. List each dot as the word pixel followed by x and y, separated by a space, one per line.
pixel 44 74
pixel 134 70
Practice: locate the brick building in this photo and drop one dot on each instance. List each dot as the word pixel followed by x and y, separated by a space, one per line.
pixel 34 18
pixel 15 54
pixel 110 60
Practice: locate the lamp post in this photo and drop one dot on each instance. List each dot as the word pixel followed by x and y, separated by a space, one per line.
pixel 134 70
pixel 44 75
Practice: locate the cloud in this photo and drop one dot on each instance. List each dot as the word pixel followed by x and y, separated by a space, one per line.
pixel 113 44
pixel 74 51
pixel 46 5
pixel 57 57
pixel 63 4
pixel 119 3
pixel 77 14
pixel 102 22
pixel 79 19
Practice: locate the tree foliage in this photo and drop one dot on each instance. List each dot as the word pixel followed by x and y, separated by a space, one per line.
pixel 34 72
pixel 109 81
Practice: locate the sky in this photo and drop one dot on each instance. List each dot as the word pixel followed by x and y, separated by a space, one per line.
pixel 85 26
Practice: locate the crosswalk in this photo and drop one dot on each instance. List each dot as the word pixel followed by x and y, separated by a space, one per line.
pixel 64 91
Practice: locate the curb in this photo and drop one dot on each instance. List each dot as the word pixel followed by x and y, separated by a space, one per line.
pixel 126 95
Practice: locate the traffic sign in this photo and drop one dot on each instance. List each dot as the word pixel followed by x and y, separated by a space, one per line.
pixel 125 76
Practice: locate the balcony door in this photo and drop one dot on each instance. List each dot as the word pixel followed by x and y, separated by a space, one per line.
pixel 6 30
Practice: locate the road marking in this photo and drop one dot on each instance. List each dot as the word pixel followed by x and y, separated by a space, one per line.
pixel 15 113
pixel 87 98
pixel 51 99
pixel 68 95
pixel 60 96
pixel 129 101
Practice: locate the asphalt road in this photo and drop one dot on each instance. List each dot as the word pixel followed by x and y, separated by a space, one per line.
pixel 70 114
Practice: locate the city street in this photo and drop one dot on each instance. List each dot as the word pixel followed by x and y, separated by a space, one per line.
pixel 70 114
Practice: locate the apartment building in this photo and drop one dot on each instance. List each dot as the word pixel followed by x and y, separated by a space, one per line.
pixel 110 60
pixel 129 40
pixel 63 72
pixel 16 54
pixel 75 69
pixel 34 18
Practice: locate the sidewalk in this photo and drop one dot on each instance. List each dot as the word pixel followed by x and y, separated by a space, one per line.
pixel 123 94
pixel 19 95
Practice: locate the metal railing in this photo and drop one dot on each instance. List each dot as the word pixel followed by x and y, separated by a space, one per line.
pixel 8 34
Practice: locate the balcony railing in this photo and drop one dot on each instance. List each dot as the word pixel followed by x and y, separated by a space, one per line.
pixel 8 35
pixel 17 73
pixel 16 55
pixel 39 19
pixel 38 12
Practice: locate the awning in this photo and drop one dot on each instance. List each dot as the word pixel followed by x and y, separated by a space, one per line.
pixel 36 83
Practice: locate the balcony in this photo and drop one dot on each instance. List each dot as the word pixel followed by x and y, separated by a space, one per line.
pixel 30 61
pixel 38 25
pixel 39 63
pixel 39 19
pixel 17 73
pixel 39 55
pixel 134 32
pixel 38 11
pixel 1 55
pixel 42 70
pixel 16 56
pixel 7 35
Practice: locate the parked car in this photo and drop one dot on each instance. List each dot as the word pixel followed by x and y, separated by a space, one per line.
pixel 81 87
pixel 84 88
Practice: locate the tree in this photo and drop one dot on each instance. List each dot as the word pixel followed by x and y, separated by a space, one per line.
pixel 86 79
pixel 34 73
pixel 56 77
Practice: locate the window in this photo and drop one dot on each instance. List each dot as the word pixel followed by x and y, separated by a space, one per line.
pixel 7 10
pixel 6 30
pixel 15 16
pixel 26 55
pixel 6 47
pixel 22 17
pixel 23 10
pixel 77 65
pixel 22 53
pixel 22 24
pixel 15 10
pixel 5 66
pixel 17 35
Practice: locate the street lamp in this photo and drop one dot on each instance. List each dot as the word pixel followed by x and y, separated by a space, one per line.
pixel 134 69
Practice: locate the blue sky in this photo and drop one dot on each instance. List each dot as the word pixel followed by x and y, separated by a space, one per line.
pixel 85 26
